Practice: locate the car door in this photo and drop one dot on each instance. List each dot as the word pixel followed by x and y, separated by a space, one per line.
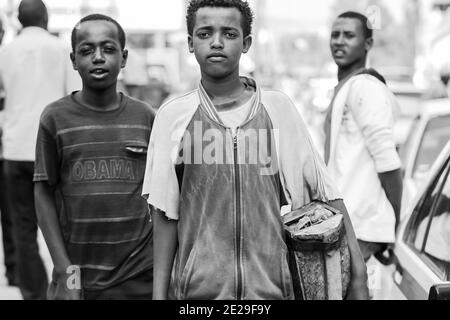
pixel 429 135
pixel 407 154
pixel 423 249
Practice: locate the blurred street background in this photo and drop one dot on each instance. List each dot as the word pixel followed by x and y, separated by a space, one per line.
pixel 290 53
pixel 290 48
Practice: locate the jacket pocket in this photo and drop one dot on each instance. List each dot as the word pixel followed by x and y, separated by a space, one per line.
pixel 137 147
pixel 187 273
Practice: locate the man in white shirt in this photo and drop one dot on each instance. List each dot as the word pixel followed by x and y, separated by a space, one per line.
pixel 360 149
pixel 35 70
pixel 6 223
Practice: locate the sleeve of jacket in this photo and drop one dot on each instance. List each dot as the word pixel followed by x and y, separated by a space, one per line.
pixel 302 171
pixel 160 186
pixel 372 108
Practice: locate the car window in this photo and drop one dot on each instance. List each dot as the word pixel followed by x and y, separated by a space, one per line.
pixel 435 137
pixel 428 232
pixel 437 242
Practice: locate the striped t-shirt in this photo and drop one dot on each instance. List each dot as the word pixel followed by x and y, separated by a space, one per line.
pixel 96 161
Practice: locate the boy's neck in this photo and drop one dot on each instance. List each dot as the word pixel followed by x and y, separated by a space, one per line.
pixel 343 73
pixel 104 100
pixel 223 91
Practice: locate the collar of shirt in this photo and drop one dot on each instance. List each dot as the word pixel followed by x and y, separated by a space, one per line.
pixel 32 31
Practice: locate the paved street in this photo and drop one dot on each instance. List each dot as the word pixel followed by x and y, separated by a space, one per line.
pixel 380 278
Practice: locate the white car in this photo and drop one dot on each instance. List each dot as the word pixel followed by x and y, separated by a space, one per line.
pixel 422 248
pixel 428 134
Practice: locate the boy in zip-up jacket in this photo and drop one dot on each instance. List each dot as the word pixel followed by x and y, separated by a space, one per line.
pixel 222 161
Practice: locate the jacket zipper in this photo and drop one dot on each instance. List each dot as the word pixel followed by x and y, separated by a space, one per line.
pixel 238 217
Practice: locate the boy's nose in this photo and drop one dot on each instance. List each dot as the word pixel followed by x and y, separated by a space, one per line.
pixel 338 39
pixel 217 42
pixel 98 56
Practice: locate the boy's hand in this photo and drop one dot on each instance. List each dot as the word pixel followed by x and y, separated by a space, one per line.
pixel 66 286
pixel 358 288
pixel 59 291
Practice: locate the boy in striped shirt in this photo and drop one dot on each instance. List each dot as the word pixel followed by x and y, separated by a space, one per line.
pixel 90 162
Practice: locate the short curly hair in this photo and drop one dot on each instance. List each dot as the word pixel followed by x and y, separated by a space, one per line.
pixel 98 17
pixel 365 22
pixel 241 5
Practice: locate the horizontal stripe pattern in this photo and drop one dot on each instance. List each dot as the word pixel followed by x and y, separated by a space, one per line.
pixel 103 127
pixel 110 232
pixel 107 223
pixel 103 220
pixel 97 267
pixel 100 143
pixel 107 242
pixel 97 137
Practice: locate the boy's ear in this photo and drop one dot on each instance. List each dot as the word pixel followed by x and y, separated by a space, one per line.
pixel 124 58
pixel 190 44
pixel 74 63
pixel 369 44
pixel 248 40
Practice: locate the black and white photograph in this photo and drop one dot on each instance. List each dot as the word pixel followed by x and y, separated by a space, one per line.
pixel 238 151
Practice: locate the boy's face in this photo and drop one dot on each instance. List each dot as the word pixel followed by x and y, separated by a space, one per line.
pixel 218 41
pixel 98 56
pixel 347 43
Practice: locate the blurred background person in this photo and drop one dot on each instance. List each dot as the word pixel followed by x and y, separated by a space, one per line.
pixel 360 149
pixel 6 223
pixel 35 69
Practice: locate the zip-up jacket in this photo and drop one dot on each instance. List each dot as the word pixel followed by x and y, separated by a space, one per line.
pixel 226 190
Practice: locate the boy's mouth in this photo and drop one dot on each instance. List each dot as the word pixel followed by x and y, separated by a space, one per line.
pixel 216 57
pixel 338 53
pixel 99 72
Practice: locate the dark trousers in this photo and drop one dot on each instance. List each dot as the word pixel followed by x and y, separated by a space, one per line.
pixel 30 269
pixel 7 231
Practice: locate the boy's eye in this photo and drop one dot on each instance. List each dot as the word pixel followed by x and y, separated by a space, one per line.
pixel 109 49
pixel 203 35
pixel 335 35
pixel 230 35
pixel 85 51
